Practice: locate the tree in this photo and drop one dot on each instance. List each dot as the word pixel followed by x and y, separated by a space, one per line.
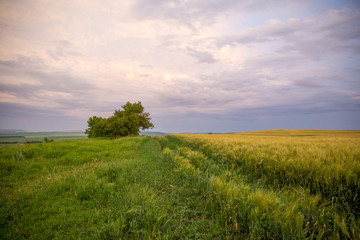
pixel 126 122
pixel 94 126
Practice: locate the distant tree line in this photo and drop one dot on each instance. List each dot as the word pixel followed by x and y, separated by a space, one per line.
pixel 126 122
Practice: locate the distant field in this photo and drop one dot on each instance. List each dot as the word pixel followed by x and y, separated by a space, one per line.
pixel 303 133
pixel 36 137
pixel 276 184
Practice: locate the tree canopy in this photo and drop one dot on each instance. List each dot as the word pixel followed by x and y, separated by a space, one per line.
pixel 126 122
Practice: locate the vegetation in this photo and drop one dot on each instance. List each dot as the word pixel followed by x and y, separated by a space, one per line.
pixel 217 186
pixel 46 140
pixel 126 122
pixel 325 164
pixel 24 137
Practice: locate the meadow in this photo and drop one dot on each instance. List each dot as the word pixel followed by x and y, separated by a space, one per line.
pixel 278 184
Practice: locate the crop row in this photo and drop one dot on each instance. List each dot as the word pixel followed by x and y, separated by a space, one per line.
pixel 258 211
pixel 326 166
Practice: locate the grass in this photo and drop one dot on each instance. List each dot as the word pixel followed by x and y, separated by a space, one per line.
pixel 181 187
pixel 98 189
pixel 80 189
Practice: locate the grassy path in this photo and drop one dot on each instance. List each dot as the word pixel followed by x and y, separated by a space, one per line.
pixel 99 189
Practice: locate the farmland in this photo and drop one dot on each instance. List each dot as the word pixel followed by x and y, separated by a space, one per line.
pixel 282 184
pixel 21 137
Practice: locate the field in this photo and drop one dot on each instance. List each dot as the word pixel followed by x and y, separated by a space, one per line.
pixel 277 184
pixel 22 137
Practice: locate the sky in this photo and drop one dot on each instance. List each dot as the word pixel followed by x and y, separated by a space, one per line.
pixel 196 65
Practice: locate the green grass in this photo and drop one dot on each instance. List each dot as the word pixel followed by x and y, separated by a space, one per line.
pixel 164 188
pixel 99 189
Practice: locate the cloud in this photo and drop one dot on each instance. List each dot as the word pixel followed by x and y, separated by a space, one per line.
pixel 183 12
pixel 15 109
pixel 145 66
pixel 195 14
pixel 210 59
pixel 63 51
pixel 202 56
pixel 43 87
pixel 33 118
pixel 309 83
pixel 46 78
pixel 333 31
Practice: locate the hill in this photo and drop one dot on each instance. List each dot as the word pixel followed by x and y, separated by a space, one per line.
pixel 151 133
pixel 21 137
pixel 11 130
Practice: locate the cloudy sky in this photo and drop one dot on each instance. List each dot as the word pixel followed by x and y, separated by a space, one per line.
pixel 196 65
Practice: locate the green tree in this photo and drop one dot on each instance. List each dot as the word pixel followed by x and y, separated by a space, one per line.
pixel 94 126
pixel 126 122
